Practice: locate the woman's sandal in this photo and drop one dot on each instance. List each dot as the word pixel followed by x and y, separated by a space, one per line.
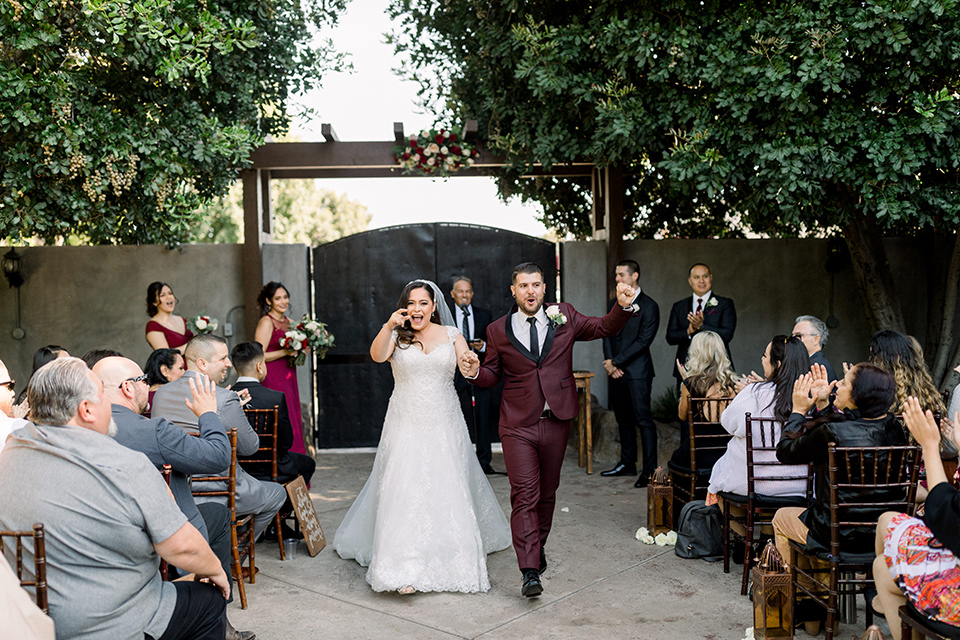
pixel 406 591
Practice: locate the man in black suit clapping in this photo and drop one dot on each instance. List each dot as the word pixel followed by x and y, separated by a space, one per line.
pixel 474 401
pixel 628 363
pixel 248 359
pixel 703 310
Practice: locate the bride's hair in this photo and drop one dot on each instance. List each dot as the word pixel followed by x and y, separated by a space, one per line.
pixel 405 335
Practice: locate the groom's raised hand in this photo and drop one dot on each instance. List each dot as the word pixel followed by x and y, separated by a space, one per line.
pixel 625 294
pixel 469 364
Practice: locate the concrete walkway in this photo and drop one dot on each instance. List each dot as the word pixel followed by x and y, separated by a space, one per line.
pixel 601 582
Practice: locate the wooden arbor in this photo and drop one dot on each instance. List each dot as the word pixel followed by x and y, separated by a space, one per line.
pixel 333 158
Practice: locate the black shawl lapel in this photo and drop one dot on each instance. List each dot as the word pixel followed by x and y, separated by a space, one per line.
pixel 548 341
pixel 513 338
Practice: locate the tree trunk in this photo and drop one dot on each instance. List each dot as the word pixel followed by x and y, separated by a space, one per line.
pixel 942 360
pixel 872 270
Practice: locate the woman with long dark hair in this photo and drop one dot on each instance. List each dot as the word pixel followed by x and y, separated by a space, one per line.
pixel 163 366
pixel 274 301
pixel 426 518
pixel 165 330
pixel 784 360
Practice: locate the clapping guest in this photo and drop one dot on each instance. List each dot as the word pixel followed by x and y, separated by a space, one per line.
pixel 784 360
pixel 274 301
pixel 901 356
pixel 917 559
pixel 163 366
pixel 707 374
pixel 164 330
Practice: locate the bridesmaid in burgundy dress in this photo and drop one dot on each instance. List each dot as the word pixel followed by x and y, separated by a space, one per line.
pixel 165 330
pixel 281 372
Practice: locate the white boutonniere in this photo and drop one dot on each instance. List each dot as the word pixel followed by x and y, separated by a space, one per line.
pixel 557 319
pixel 712 302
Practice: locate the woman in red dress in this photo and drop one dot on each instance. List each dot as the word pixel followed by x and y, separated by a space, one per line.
pixel 281 372
pixel 165 330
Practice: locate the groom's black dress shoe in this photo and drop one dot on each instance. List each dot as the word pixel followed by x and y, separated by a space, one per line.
pixel 490 471
pixel 543 560
pixel 643 480
pixel 620 470
pixel 531 583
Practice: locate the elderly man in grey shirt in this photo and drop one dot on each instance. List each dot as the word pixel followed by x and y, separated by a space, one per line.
pixel 207 355
pixel 108 519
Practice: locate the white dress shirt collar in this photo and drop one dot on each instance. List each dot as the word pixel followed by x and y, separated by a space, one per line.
pixel 705 297
pixel 247 379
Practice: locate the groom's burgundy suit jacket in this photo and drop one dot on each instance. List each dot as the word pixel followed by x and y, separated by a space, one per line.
pixel 527 383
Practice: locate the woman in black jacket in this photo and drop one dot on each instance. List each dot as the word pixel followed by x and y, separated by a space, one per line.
pixel 917 560
pixel 861 418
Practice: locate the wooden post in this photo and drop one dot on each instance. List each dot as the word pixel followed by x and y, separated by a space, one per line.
pixel 257 229
pixel 613 221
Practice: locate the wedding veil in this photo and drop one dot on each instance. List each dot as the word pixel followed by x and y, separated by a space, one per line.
pixel 446 318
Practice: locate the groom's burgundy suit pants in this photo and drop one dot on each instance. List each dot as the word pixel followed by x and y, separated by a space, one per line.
pixel 533 456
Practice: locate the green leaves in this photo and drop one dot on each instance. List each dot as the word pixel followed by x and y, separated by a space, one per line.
pixel 120 118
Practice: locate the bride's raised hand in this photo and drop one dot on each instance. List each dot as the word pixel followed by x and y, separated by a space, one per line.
pixel 397 318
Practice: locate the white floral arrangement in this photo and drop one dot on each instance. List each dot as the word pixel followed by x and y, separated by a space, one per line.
pixel 203 324
pixel 435 152
pixel 557 319
pixel 712 302
pixel 307 334
pixel 661 540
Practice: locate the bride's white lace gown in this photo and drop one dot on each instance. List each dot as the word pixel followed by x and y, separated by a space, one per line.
pixel 427 516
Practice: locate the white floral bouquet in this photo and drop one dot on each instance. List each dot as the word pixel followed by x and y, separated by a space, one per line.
pixel 435 152
pixel 557 319
pixel 202 324
pixel 307 334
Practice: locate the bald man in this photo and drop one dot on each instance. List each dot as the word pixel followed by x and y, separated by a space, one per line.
pixel 207 355
pixel 163 443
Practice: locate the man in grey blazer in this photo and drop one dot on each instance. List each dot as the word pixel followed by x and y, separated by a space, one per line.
pixel 165 443
pixel 207 354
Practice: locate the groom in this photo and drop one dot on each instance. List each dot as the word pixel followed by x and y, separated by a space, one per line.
pixel 532 348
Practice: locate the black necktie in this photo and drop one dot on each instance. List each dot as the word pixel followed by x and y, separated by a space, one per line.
pixel 534 339
pixel 466 323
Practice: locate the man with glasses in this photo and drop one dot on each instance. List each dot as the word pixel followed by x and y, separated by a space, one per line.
pixel 163 442
pixel 9 422
pixel 207 355
pixel 813 333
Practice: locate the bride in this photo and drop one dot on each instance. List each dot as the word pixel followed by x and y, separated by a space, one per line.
pixel 427 517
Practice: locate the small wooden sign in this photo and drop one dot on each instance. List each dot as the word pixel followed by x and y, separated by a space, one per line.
pixel 306 515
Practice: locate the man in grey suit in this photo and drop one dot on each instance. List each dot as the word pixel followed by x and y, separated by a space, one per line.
pixel 163 443
pixel 207 355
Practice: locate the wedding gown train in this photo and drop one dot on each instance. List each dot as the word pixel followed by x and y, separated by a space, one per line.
pixel 427 516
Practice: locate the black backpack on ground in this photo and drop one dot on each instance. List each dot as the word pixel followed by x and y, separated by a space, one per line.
pixel 700 532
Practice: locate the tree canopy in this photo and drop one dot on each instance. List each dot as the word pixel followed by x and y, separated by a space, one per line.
pixel 781 118
pixel 119 118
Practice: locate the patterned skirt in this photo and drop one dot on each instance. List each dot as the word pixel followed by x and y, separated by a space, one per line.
pixel 924 569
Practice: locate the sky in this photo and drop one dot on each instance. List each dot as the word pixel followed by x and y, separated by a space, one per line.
pixel 363 105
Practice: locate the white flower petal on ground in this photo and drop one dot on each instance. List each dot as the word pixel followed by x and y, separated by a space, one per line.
pixel 565 509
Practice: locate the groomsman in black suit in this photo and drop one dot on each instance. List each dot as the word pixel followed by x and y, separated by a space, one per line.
pixel 628 363
pixel 474 401
pixel 702 310
pixel 252 369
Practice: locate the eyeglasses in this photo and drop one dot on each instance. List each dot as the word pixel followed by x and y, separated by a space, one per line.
pixel 141 378
pixel 9 384
pixel 800 335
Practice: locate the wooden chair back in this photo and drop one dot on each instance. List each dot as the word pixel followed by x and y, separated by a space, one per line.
pixel 265 423
pixel 39 581
pixel 763 434
pixel 866 474
pixel 707 435
pixel 164 567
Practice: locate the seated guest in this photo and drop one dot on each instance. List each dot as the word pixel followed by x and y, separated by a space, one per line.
pixel 901 356
pixel 165 443
pixel 108 519
pixel 252 369
pixel 813 333
pixel 707 374
pixel 864 397
pixel 163 366
pixel 93 356
pixel 784 360
pixel 207 355
pixel 22 618
pixel 42 356
pixel 9 421
pixel 917 559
